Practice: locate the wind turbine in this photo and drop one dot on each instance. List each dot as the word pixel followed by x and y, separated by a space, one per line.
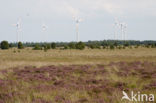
pixel 18 28
pixel 123 27
pixel 116 24
pixel 44 27
pixel 77 20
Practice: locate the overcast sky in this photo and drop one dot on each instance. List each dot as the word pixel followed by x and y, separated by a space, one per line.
pixel 98 19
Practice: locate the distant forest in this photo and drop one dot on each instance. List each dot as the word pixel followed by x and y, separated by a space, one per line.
pixel 105 44
pixel 98 43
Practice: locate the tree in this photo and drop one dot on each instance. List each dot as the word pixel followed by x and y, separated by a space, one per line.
pixel 4 45
pixel 80 45
pixel 20 45
pixel 53 45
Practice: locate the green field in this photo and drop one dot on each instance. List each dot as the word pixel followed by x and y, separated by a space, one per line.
pixel 75 76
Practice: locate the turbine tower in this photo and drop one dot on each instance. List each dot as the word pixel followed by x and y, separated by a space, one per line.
pixel 116 24
pixel 18 28
pixel 77 20
pixel 123 27
pixel 44 28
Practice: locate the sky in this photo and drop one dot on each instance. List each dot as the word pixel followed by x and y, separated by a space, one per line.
pixel 98 17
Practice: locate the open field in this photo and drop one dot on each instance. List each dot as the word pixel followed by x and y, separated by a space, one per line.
pixel 75 76
pixel 10 58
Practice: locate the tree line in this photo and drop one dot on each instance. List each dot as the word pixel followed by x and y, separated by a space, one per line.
pixel 105 44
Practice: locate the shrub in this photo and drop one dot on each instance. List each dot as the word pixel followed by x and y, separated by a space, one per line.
pixel 93 46
pixel 104 47
pixel 112 47
pixel 48 46
pixel 65 47
pixel 80 45
pixel 37 47
pixel 72 45
pixel 45 49
pixel 4 45
pixel 130 47
pixel 20 45
pixel 115 44
pixel 53 45
pixel 126 44
pixel 119 47
pixel 137 46
pixel 10 45
pixel 153 46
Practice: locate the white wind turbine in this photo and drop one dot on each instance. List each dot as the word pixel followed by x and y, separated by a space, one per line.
pixel 44 28
pixel 18 28
pixel 116 25
pixel 77 20
pixel 123 27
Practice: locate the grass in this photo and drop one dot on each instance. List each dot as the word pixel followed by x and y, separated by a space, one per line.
pixel 9 58
pixel 75 76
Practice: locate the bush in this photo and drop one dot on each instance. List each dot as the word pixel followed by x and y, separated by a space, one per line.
pixel 112 47
pixel 153 46
pixel 53 45
pixel 48 46
pixel 4 45
pixel 80 45
pixel 115 44
pixel 104 47
pixel 10 45
pixel 37 47
pixel 65 47
pixel 72 45
pixel 20 45
pixel 119 47
pixel 94 46
pixel 45 49
pixel 126 44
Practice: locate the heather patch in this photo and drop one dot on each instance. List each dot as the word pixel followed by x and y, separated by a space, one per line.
pixel 76 83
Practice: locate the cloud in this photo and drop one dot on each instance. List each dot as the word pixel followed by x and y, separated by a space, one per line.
pixel 92 7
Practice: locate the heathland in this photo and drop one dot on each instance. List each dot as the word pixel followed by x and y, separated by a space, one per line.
pixel 75 76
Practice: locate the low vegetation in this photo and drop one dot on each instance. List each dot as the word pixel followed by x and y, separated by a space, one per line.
pixel 77 83
pixel 97 72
